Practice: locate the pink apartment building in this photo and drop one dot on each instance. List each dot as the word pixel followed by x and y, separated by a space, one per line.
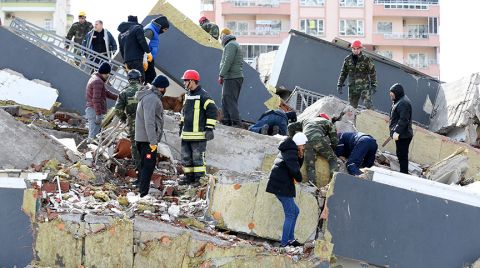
pixel 406 31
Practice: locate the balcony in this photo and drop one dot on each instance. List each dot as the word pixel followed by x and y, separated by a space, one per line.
pixel 27 5
pixel 258 7
pixel 406 8
pixel 406 39
pixel 267 37
pixel 430 67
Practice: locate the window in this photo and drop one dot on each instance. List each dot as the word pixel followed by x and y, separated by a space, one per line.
pixel 238 27
pixel 351 28
pixel 207 5
pixel 385 53
pixel 320 3
pixel 312 26
pixel 417 60
pixel 433 25
pixel 250 52
pixel 351 3
pixel 417 31
pixel 49 25
pixel 384 27
pixel 268 27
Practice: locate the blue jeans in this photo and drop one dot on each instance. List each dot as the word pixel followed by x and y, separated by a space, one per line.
pixel 291 211
pixel 93 129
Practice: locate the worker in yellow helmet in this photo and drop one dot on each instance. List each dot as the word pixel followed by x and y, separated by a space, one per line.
pixel 79 29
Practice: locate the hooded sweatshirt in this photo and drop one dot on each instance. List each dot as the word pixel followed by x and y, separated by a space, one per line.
pixel 286 168
pixel 149 116
pixel 132 41
pixel 401 113
pixel 231 65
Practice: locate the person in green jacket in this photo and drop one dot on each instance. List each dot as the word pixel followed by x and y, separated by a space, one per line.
pixel 231 79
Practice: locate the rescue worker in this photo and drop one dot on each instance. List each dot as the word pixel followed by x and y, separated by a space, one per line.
pixel 231 79
pixel 152 31
pixel 225 31
pixel 322 141
pixel 149 128
pixel 285 174
pixel 100 40
pixel 401 124
pixel 359 149
pixel 79 29
pixel 209 27
pixel 274 122
pixel 133 45
pixel 196 128
pixel 362 78
pixel 126 108
pixel 96 95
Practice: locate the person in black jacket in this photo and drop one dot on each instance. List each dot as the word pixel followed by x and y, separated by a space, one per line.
pixel 359 149
pixel 401 124
pixel 285 173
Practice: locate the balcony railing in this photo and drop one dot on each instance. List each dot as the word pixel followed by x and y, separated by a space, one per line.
pixel 257 33
pixel 405 36
pixel 407 2
pixel 420 64
pixel 257 3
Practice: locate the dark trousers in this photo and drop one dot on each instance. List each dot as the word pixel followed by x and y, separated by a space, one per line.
pixel 402 153
pixel 150 73
pixel 230 93
pixel 291 211
pixel 193 159
pixel 148 160
pixel 137 65
pixel 362 155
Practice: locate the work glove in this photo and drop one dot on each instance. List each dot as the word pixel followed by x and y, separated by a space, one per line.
pixel 98 119
pixel 220 80
pixel 340 90
pixel 153 147
pixel 180 126
pixel 149 57
pixel 209 134
pixel 373 90
pixel 145 66
pixel 395 136
pixel 145 62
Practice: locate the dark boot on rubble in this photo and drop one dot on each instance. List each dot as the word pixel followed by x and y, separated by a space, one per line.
pixel 275 130
pixel 186 180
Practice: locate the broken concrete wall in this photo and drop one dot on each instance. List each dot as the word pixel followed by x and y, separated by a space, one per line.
pixel 426 148
pixel 450 170
pixel 25 145
pixel 265 64
pixel 457 109
pixel 240 203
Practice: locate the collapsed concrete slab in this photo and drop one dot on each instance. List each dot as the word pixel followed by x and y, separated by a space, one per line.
pixel 450 170
pixel 240 203
pixel 24 146
pixel 457 112
pixel 402 218
pixel 427 148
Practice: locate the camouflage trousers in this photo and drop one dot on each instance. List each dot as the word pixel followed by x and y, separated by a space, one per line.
pixel 135 153
pixel 321 148
pixel 354 96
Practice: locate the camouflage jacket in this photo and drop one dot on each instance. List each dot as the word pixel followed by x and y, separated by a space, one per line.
pixel 126 106
pixel 315 129
pixel 78 31
pixel 211 28
pixel 361 75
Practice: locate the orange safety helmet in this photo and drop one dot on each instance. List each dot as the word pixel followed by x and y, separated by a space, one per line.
pixel 356 44
pixel 324 116
pixel 191 75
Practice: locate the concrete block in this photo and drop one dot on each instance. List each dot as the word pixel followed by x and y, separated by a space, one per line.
pixel 322 170
pixel 450 170
pixel 240 203
pixel 166 252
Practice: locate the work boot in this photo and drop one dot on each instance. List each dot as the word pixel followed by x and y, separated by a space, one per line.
pixel 275 130
pixel 186 180
pixel 294 243
pixel 237 125
pixel 264 130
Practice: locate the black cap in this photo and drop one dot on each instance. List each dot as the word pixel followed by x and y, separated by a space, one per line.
pixel 132 18
pixel 105 68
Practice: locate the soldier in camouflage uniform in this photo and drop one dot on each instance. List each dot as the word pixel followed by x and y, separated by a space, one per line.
pixel 126 108
pixel 79 29
pixel 362 78
pixel 322 141
pixel 209 27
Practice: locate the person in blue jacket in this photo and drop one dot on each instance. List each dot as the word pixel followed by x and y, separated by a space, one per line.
pixel 152 31
pixel 274 122
pixel 359 148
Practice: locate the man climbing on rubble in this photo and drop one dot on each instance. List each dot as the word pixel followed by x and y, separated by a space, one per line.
pixel 362 78
pixel 196 128
pixel 401 124
pixel 152 31
pixel 97 94
pixel 283 177
pixel 322 141
pixel 149 128
pixel 133 45
pixel 231 79
pixel 359 149
pixel 126 108
pixel 79 29
pixel 274 122
pixel 209 27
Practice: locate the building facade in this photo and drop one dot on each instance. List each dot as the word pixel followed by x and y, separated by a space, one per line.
pixel 53 15
pixel 406 31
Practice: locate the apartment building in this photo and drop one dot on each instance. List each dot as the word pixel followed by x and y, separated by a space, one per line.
pixel 53 15
pixel 406 31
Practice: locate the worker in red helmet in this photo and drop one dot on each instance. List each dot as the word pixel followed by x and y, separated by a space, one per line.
pixel 196 128
pixel 209 27
pixel 362 78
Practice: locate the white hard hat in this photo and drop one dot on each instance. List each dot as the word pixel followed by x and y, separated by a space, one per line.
pixel 300 138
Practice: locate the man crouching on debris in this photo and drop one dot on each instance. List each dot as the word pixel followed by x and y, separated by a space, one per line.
pixel 196 128
pixel 285 173
pixel 149 128
pixel 97 95
pixel 359 148
pixel 401 124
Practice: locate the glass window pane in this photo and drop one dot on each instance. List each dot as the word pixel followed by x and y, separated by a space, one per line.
pixel 384 27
